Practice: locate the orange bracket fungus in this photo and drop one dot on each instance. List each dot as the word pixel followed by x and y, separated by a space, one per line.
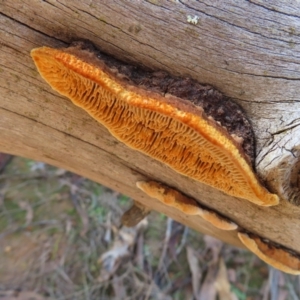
pixel 135 214
pixel 273 254
pixel 190 127
pixel 183 203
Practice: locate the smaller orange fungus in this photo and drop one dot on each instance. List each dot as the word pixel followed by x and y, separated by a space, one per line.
pixel 168 128
pixel 183 203
pixel 279 258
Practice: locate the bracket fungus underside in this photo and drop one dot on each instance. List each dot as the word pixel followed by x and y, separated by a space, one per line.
pixel 171 119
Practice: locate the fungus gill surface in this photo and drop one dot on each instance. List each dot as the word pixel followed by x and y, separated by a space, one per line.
pixel 165 127
pixel 183 203
pixel 274 255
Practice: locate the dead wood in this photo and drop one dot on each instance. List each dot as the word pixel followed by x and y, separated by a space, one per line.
pixel 247 51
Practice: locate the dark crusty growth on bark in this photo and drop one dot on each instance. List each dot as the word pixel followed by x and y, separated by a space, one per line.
pixel 221 108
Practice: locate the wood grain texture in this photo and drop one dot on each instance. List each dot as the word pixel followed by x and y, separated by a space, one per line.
pixel 247 50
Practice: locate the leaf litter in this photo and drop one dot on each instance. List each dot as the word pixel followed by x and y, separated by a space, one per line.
pixel 61 238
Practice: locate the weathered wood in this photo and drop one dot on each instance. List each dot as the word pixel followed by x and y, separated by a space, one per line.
pixel 247 50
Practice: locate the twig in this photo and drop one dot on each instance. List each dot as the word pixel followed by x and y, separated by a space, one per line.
pixel 183 240
pixel 63 274
pixel 166 242
pixel 292 291
pixel 273 283
pixel 23 227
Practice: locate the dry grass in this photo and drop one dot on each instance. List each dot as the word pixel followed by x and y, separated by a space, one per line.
pixel 61 237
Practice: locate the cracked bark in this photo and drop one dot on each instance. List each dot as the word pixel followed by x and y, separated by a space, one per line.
pixel 247 50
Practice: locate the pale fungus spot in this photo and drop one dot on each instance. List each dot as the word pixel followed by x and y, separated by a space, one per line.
pixel 275 255
pixel 238 139
pixel 130 102
pixel 183 203
pixel 192 19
